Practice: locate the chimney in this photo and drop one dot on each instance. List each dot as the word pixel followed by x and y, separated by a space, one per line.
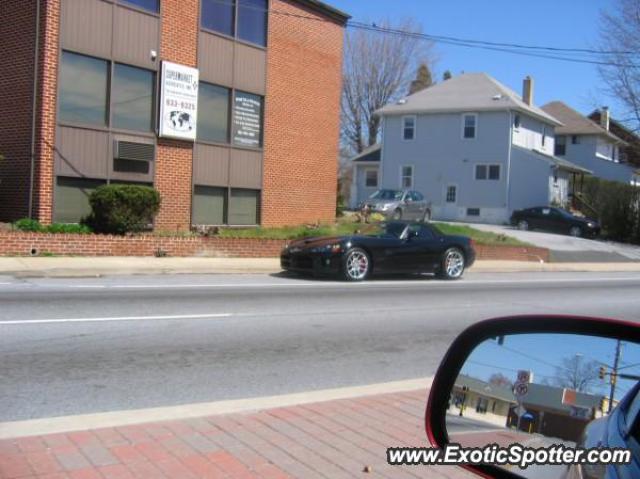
pixel 604 117
pixel 527 90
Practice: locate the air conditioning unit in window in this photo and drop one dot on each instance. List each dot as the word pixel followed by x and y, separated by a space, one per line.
pixel 129 150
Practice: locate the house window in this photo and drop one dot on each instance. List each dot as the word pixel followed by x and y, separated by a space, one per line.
pixel 83 89
pixel 132 98
pixel 213 113
pixel 451 193
pixel 252 21
pixel 575 140
pixel 544 135
pixel 469 126
pixel 218 15
pixel 209 205
pixel 406 177
pixel 72 198
pixel 247 119
pixel 151 5
pixel 487 172
pixel 243 207
pixel 408 127
pixel 371 178
pixel 516 122
pixel 482 405
pixel 473 211
pixel 561 146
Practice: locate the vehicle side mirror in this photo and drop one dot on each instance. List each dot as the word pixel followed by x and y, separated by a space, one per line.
pixel 539 382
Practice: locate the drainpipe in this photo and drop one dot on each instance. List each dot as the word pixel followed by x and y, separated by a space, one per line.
pixel 33 108
pixel 509 161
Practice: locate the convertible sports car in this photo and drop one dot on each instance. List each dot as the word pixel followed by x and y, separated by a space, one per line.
pixel 401 247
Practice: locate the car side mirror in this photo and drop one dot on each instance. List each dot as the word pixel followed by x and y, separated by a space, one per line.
pixel 535 381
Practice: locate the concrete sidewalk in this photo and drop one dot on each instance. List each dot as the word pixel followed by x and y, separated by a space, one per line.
pixel 101 266
pixel 331 439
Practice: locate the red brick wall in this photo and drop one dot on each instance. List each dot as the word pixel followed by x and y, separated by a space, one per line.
pixel 46 110
pixel 174 160
pixel 21 244
pixel 302 116
pixel 17 39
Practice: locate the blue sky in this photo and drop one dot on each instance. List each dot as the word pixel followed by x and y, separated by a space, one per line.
pixel 563 23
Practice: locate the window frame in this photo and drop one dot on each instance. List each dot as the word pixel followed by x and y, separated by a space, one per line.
pixel 446 194
pixel 234 35
pixel 402 177
pixel 404 128
pixel 487 175
pixel 464 126
pixel 137 8
pixel 558 144
pixel 366 179
pixel 228 142
pixel 517 122
pixel 154 99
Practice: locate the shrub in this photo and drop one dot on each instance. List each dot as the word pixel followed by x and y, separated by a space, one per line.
pixel 64 228
pixel 28 224
pixel 120 209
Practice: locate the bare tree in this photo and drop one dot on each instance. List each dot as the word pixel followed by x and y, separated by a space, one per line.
pixel 378 68
pixel 576 373
pixel 499 379
pixel 620 32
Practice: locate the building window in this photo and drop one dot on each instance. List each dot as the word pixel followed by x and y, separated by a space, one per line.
pixel 247 119
pixel 132 98
pixel 482 405
pixel 252 21
pixel 487 172
pixel 544 135
pixel 561 146
pixel 209 205
pixel 243 207
pixel 406 177
pixel 213 113
pixel 219 15
pixel 150 5
pixel 72 198
pixel 408 127
pixel 575 140
pixel 371 178
pixel 473 211
pixel 516 122
pixel 469 125
pixel 83 89
pixel 452 193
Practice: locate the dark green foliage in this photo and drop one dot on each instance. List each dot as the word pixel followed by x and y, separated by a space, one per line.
pixel 34 226
pixel 617 205
pixel 27 224
pixel 120 209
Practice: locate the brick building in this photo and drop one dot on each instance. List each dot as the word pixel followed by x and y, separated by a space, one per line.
pixel 266 129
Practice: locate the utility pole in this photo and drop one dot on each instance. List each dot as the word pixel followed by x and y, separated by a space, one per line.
pixel 613 377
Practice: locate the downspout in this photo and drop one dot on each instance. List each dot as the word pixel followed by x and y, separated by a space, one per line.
pixel 509 161
pixel 33 108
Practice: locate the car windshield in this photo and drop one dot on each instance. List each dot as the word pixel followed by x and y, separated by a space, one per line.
pixel 387 195
pixel 394 229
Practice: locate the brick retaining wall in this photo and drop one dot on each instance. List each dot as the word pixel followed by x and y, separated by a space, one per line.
pixel 22 244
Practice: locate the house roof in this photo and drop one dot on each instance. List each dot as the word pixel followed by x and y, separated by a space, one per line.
pixel 466 92
pixel 478 386
pixel 575 123
pixel 555 161
pixel 371 153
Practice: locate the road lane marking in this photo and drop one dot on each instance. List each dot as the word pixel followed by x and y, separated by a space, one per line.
pixel 83 422
pixel 122 318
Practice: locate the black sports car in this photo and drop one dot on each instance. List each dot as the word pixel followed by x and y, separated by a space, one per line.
pixel 401 247
pixel 554 219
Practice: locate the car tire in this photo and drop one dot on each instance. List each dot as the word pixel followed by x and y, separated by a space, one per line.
pixel 523 225
pixel 452 264
pixel 575 231
pixel 397 215
pixel 356 265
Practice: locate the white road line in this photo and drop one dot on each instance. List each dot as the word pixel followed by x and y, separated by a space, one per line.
pixel 123 318
pixel 83 422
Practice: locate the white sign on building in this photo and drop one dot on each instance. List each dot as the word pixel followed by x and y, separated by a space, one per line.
pixel 178 101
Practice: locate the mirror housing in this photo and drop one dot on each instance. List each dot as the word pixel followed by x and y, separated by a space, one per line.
pixel 472 337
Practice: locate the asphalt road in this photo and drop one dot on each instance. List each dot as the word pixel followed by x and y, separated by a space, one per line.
pixel 72 346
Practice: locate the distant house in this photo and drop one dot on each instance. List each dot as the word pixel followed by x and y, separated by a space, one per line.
pixel 365 177
pixel 481 400
pixel 630 153
pixel 474 148
pixel 590 145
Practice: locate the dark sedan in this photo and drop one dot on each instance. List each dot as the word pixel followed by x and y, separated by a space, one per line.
pixel 556 220
pixel 401 247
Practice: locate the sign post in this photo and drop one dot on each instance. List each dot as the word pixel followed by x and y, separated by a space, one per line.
pixel 178 102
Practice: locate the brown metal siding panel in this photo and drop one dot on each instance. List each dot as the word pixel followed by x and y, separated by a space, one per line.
pixel 245 169
pixel 85 26
pixel 215 59
pixel 210 165
pixel 250 69
pixel 135 34
pixel 82 153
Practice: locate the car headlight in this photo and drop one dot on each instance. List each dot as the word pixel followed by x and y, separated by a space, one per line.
pixel 330 248
pixel 591 224
pixel 385 207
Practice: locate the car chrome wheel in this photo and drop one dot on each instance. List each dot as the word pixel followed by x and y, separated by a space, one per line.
pixel 575 231
pixel 357 265
pixel 453 264
pixel 523 225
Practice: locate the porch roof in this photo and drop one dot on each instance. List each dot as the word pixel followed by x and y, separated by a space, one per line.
pixel 371 153
pixel 560 162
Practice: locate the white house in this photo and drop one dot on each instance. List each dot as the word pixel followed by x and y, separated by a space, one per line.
pixel 590 145
pixel 474 148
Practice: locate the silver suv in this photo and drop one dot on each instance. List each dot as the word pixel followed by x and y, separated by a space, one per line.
pixel 398 205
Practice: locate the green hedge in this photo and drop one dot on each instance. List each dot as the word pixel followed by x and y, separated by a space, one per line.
pixel 34 226
pixel 617 205
pixel 120 209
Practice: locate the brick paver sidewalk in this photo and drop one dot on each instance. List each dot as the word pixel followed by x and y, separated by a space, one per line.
pixel 332 439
